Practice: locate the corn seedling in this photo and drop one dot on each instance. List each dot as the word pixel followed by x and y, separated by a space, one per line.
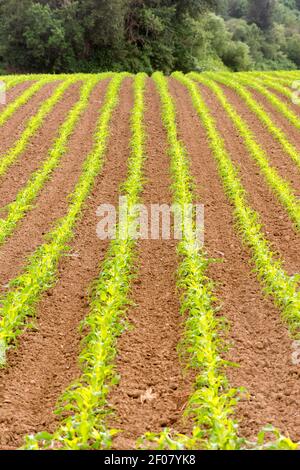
pixel 86 400
pixel 262 115
pixel 18 305
pixel 283 288
pixel 24 199
pixel 33 125
pixel 281 188
pixel 279 105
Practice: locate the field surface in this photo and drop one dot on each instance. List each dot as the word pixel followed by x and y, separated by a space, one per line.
pixel 127 343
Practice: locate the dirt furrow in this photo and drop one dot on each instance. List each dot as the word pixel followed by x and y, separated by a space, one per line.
pixel 279 119
pixel 14 93
pixel 10 132
pixel 261 344
pixel 37 151
pixel 278 157
pixel 153 390
pixel 278 227
pixel 46 361
pixel 286 100
pixel 52 201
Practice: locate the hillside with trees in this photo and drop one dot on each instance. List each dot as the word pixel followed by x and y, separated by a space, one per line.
pixel 147 35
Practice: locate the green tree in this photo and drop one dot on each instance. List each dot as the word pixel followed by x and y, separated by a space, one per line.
pixel 261 13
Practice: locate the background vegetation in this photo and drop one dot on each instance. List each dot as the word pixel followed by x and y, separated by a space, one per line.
pixel 148 35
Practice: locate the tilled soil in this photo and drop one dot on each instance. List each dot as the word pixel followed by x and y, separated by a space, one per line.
pixel 262 347
pixel 52 201
pixel 12 129
pixel 277 225
pixel 38 149
pixel 154 386
pixel 153 390
pixel 46 361
pixel 276 154
pixel 14 93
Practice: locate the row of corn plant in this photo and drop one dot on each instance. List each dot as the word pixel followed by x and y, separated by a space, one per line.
pixel 25 197
pixel 11 81
pixel 283 86
pixel 276 102
pixel 22 100
pixel 283 288
pixel 262 115
pixel 282 188
pixel 273 75
pixel 212 403
pixel 85 401
pixel 19 303
pixel 266 77
pixel 33 125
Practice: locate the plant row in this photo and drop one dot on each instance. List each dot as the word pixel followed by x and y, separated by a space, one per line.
pixel 33 125
pixel 282 287
pixel 212 403
pixel 13 80
pixel 271 81
pixel 282 188
pixel 25 197
pixel 262 115
pixel 21 100
pixel 19 303
pixel 276 102
pixel 85 401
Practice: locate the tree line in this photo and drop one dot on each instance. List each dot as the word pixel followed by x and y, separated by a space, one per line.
pixel 147 35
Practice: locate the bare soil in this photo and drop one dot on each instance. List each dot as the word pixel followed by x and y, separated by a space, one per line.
pixel 154 389
pixel 154 386
pixel 262 347
pixel 46 360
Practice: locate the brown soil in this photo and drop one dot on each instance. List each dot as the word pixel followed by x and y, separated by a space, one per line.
pixel 261 344
pixel 46 361
pixel 14 93
pixel 10 132
pixel 288 101
pixel 38 148
pixel 276 154
pixel 147 356
pixel 52 201
pixel 292 132
pixel 154 387
pixel 278 227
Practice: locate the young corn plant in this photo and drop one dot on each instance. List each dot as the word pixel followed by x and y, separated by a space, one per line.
pixel 262 115
pixel 283 288
pixel 22 100
pixel 283 86
pixel 33 125
pixel 13 80
pixel 26 196
pixel 281 188
pixel 266 79
pixel 85 401
pixel 212 404
pixel 276 102
pixel 272 79
pixel 18 305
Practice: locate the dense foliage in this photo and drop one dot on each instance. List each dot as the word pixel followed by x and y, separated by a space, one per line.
pixel 134 35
